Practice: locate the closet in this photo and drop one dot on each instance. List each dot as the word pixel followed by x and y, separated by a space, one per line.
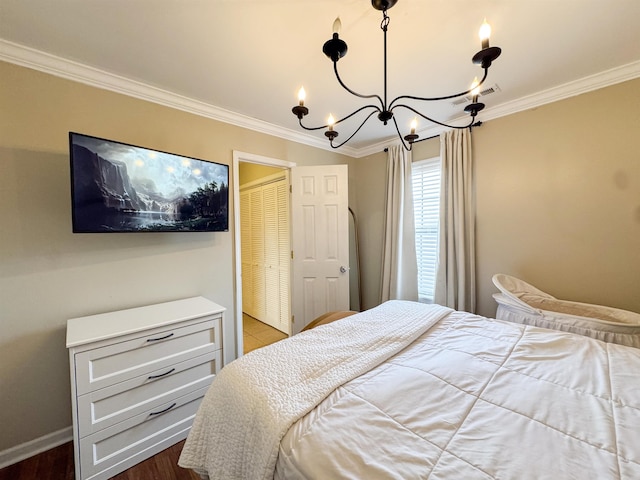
pixel 266 250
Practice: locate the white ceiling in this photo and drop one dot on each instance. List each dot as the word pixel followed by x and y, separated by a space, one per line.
pixel 243 61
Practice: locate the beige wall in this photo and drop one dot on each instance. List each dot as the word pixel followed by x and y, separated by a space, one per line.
pixel 249 172
pixel 48 274
pixel 558 200
pixel 367 183
pixel 427 149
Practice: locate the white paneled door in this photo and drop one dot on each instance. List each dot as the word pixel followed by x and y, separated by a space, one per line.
pixel 320 241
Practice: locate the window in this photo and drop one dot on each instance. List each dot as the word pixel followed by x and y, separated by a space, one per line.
pixel 426 204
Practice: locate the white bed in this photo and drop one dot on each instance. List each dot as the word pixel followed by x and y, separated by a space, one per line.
pixel 407 390
pixel 523 303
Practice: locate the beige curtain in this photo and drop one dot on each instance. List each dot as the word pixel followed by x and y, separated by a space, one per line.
pixel 456 271
pixel 399 265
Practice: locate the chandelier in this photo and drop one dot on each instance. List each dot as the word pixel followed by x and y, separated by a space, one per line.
pixel 335 48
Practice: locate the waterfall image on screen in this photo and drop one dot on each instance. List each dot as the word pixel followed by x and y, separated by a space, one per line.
pixel 118 187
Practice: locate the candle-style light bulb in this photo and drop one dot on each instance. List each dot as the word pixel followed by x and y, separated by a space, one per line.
pixel 475 89
pixel 414 125
pixel 301 96
pixel 485 33
pixel 330 122
pixel 337 25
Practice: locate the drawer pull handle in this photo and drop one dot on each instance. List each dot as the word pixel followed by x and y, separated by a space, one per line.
pixel 163 411
pixel 158 339
pixel 151 377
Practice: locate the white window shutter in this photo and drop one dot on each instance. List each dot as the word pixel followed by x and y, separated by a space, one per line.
pixel 426 205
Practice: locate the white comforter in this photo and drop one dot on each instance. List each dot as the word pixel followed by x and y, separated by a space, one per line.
pixel 254 400
pixel 475 398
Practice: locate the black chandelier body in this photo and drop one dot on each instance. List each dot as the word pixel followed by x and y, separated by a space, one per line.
pixel 335 48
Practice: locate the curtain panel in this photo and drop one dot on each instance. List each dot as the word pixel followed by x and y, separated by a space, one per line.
pixel 399 265
pixel 456 271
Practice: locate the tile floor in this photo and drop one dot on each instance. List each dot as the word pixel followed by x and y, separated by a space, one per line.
pixel 257 334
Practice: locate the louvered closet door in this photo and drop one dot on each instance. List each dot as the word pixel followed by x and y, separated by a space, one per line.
pixel 266 253
pixel 277 250
pixel 257 255
pixel 245 246
pixel 284 257
pixel 272 283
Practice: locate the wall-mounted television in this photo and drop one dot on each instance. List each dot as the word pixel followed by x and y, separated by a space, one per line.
pixel 117 187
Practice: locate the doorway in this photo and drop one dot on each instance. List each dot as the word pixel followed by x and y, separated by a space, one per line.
pixel 268 165
pixel 319 240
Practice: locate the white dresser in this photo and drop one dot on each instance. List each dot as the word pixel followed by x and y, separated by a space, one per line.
pixel 137 378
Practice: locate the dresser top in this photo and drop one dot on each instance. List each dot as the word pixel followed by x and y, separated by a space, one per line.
pixel 103 326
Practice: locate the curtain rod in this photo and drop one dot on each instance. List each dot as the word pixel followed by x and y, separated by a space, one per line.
pixel 477 124
pixel 386 149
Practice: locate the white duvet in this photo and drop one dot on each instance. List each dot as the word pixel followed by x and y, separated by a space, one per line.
pixel 255 399
pixel 470 398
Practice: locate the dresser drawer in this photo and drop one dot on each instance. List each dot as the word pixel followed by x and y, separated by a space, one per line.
pixel 104 366
pixel 106 450
pixel 107 406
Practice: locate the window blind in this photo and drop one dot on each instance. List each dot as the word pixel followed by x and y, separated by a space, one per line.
pixel 426 203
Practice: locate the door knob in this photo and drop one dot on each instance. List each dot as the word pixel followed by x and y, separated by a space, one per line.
pixel 343 269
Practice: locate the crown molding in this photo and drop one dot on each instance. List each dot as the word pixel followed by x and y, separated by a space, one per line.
pixel 603 79
pixel 77 72
pixel 35 59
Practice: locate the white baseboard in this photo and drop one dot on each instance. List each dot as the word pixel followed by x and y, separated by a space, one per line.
pixel 33 447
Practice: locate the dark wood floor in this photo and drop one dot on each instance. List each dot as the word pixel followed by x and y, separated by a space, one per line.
pixel 57 464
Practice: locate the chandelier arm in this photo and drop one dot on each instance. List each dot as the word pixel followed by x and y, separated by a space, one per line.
pixel 375 108
pixel 311 128
pixel 356 131
pixel 322 127
pixel 434 99
pixel 335 69
pixel 434 120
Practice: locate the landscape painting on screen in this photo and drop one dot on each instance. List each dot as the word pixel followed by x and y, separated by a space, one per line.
pixel 118 187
